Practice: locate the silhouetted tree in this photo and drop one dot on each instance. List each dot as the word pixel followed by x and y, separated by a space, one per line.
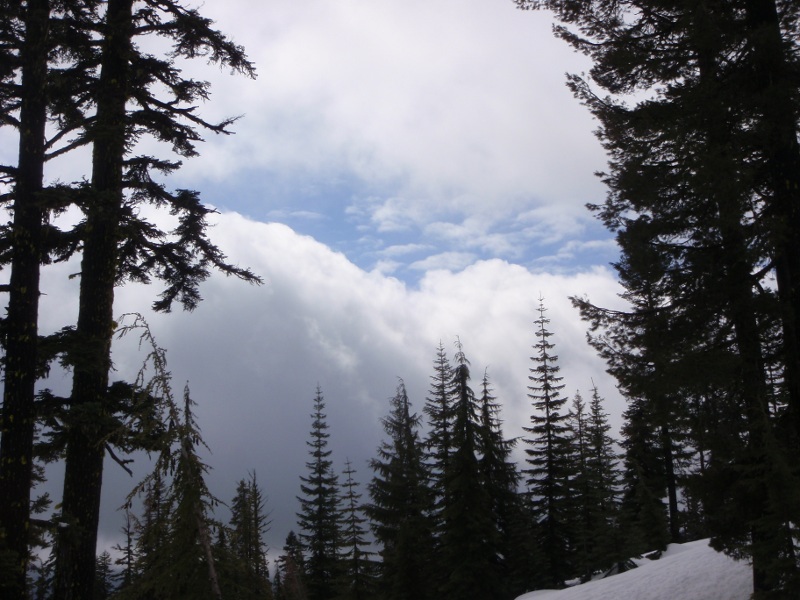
pixel 318 518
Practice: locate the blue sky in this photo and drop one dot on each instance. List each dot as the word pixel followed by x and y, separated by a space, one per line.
pixel 408 135
pixel 404 173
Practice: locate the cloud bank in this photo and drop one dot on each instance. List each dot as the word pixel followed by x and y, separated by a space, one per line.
pixel 253 355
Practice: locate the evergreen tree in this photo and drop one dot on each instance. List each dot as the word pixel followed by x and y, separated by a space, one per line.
pixel 515 554
pixel 21 335
pixel 470 539
pixel 127 554
pixel 318 518
pixel 183 565
pixel 549 457
pixel 440 416
pixel 104 578
pixel 700 201
pixel 580 486
pixel 400 504
pixel 249 523
pixel 598 544
pixel 116 244
pixel 357 577
pixel 439 449
pixel 31 32
pixel 290 575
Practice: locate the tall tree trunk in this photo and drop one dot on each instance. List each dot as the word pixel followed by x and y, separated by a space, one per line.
pixel 775 88
pixel 755 461
pixel 85 452
pixel 668 459
pixel 18 419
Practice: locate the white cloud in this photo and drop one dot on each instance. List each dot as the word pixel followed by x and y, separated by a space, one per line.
pixel 449 261
pixel 451 109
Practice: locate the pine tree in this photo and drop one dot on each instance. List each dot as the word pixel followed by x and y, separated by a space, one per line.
pixel 517 564
pixel 400 504
pixel 104 578
pixel 21 335
pixel 183 565
pixel 248 526
pixel 581 490
pixel 596 483
pixel 291 573
pixel 126 553
pixel 116 244
pixel 31 33
pixel 549 457
pixel 357 577
pixel 318 518
pixel 470 539
pixel 700 180
pixel 438 409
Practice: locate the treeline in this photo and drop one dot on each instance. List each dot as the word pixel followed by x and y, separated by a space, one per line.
pixel 447 511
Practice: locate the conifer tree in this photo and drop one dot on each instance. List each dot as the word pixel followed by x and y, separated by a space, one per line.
pixel 598 544
pixel 21 334
pixel 318 519
pixel 117 245
pixel 580 486
pixel 126 553
pixel 183 565
pixel 357 576
pixel 104 579
pixel 501 478
pixel 470 538
pixel 438 409
pixel 290 576
pixel 706 169
pixel 400 504
pixel 32 32
pixel 248 526
pixel 549 457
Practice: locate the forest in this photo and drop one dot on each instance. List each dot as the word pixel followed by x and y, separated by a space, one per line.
pixel 697 110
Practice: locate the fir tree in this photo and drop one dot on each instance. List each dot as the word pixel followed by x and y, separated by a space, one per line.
pixel 291 572
pixel 318 518
pixel 470 539
pixel 439 412
pixel 357 577
pixel 32 32
pixel 702 175
pixel 400 501
pixel 549 457
pixel 126 551
pixel 104 578
pixel 598 544
pixel 116 244
pixel 248 526
pixel 181 562
pixel 501 478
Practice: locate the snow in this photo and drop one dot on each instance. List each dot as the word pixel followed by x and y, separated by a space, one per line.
pixel 692 571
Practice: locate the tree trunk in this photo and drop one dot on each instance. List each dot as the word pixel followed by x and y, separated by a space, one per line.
pixel 85 451
pixel 18 419
pixel 775 89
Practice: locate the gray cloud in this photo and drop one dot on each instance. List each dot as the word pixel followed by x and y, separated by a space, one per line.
pixel 254 355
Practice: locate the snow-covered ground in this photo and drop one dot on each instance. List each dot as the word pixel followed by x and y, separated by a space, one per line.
pixel 692 571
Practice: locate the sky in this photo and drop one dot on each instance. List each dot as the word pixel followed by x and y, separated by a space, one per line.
pixel 402 174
